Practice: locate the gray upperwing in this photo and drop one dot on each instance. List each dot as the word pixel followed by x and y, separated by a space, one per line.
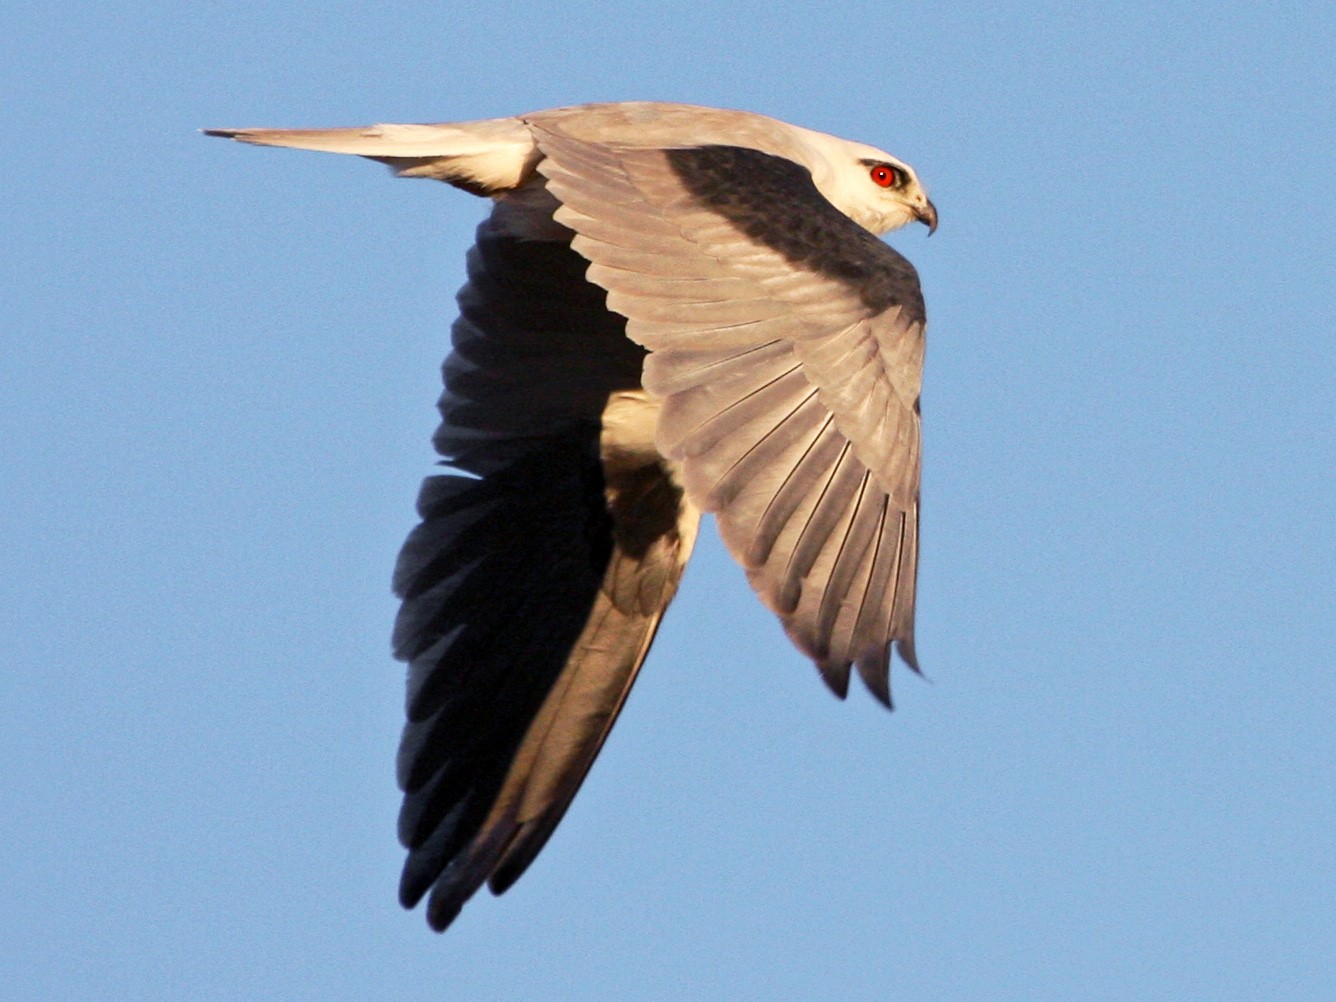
pixel 787 343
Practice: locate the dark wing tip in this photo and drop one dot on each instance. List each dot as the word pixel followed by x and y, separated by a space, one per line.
pixel 875 671
pixel 443 910
pixel 905 648
pixel 836 676
pixel 445 902
pixel 415 881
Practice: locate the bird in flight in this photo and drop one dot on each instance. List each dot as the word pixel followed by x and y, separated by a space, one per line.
pixel 670 310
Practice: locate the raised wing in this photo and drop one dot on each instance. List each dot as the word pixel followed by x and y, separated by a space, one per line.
pixel 787 343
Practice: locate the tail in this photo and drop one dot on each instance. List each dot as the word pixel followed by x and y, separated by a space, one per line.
pixel 486 157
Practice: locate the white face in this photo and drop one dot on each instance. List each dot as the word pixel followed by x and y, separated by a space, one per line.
pixel 874 189
pixel 896 195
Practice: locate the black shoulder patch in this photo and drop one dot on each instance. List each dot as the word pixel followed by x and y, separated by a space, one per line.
pixel 775 202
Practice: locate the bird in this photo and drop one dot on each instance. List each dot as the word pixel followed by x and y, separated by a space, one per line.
pixel 670 310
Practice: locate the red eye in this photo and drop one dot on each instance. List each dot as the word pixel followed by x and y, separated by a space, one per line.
pixel 885 175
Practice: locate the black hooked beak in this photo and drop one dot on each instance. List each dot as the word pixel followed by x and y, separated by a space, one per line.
pixel 928 216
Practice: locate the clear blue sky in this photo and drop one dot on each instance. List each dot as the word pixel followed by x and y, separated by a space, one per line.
pixel 218 368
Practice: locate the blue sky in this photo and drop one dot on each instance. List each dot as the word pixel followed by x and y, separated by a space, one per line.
pixel 218 368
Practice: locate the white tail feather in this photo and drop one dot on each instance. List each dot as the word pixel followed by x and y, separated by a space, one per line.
pixel 485 157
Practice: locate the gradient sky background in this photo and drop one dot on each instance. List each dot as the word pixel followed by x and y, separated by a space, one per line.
pixel 217 376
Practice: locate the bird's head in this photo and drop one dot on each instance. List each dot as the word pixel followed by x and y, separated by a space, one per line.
pixel 892 194
pixel 874 189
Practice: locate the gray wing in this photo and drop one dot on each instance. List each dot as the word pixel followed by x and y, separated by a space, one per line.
pixel 787 345
pixel 534 584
